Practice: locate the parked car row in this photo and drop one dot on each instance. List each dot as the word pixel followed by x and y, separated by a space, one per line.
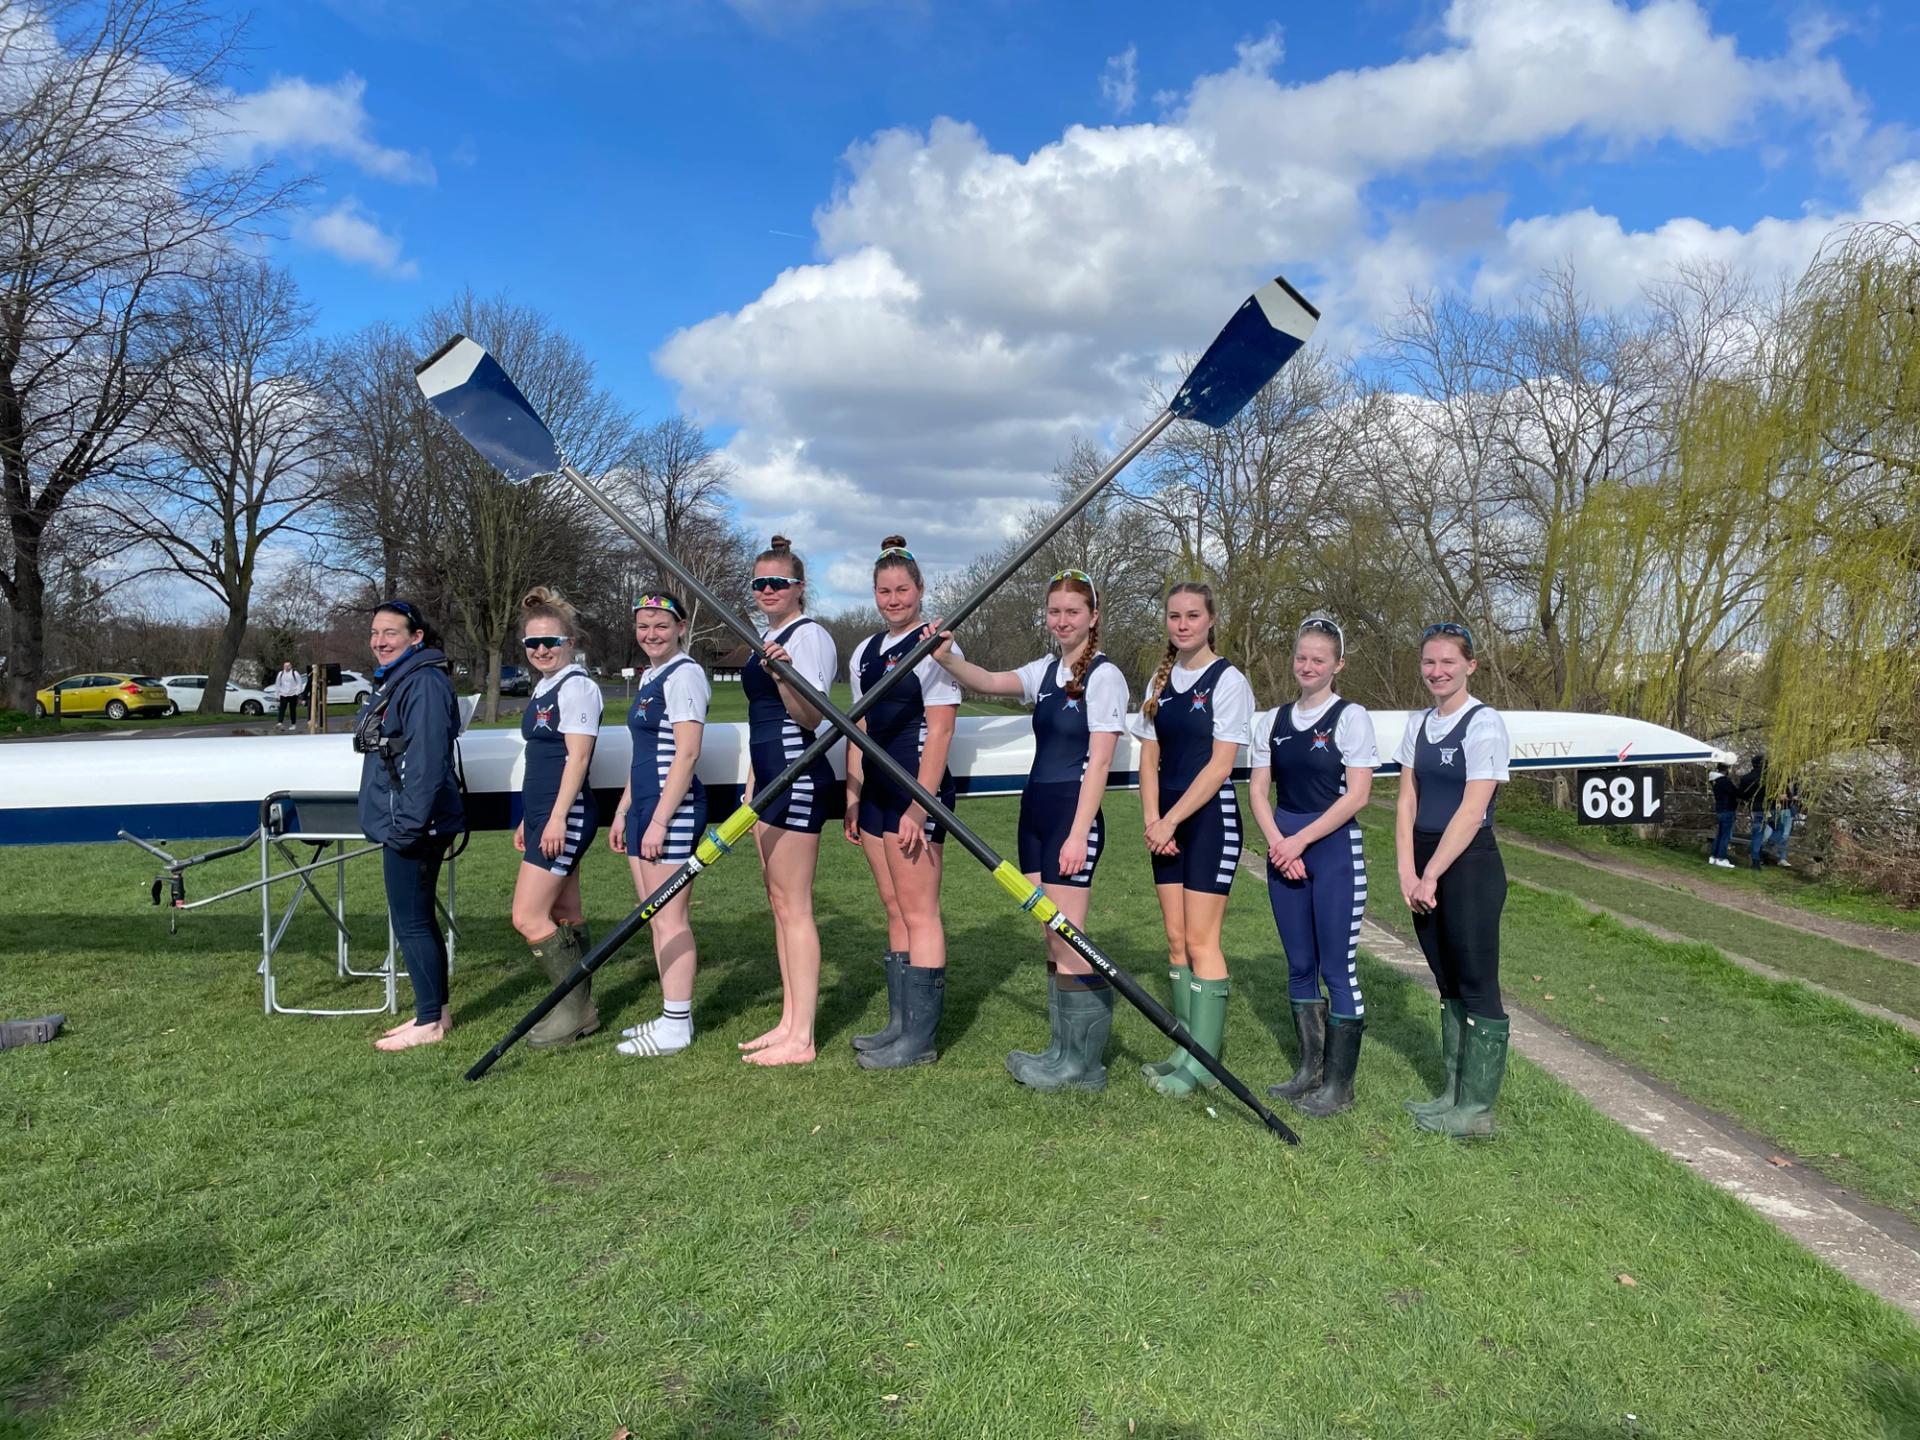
pixel 118 696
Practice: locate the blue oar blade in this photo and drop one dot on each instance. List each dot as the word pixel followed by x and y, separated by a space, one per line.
pixel 468 387
pixel 1264 334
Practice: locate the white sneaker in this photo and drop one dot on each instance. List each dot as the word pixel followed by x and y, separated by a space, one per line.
pixel 1785 866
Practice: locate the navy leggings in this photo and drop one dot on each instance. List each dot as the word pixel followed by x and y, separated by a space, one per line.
pixel 1460 936
pixel 413 876
pixel 1319 917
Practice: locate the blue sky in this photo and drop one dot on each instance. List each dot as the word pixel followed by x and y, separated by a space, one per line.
pixel 899 254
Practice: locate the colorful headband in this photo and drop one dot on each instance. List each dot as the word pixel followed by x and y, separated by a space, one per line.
pixel 659 602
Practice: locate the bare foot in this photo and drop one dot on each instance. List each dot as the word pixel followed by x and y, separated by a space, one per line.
pixel 776 1036
pixel 790 1052
pixel 409 1036
pixel 408 1025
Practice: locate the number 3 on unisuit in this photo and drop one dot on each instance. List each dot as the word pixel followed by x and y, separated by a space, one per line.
pixel 1621 796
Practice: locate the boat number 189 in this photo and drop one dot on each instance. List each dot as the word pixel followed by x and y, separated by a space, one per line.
pixel 1622 796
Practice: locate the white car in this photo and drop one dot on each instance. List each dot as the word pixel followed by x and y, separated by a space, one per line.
pixel 353 689
pixel 185 692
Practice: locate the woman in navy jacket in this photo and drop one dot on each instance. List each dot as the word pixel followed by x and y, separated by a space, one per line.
pixel 410 801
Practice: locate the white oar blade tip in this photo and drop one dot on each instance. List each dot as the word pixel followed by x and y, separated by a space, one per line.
pixel 1264 334
pixel 470 390
pixel 449 367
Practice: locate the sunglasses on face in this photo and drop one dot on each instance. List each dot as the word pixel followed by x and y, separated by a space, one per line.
pixel 775 583
pixel 546 642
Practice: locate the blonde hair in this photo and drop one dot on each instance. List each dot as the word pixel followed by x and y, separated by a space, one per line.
pixel 543 603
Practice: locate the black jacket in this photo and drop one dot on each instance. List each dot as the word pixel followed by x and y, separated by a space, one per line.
pixel 1726 793
pixel 411 794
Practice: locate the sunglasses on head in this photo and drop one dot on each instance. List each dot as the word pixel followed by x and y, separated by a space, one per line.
pixel 401 607
pixel 772 582
pixel 1448 627
pixel 546 642
pixel 1324 626
pixel 1082 576
pixel 896 552
pixel 658 602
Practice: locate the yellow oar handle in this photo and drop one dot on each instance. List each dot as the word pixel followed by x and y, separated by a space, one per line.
pixel 1030 895
pixel 721 838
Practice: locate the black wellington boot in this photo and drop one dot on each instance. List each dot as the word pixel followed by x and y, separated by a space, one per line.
pixel 1343 1058
pixel 924 993
pixel 1310 1025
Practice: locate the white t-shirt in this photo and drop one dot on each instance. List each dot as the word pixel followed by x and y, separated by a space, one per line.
pixel 1106 702
pixel 580 701
pixel 1233 703
pixel 687 691
pixel 1353 737
pixel 1486 743
pixel 812 650
pixel 937 687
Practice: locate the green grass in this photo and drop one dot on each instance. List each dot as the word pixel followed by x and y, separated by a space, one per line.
pixel 222 1225
pixel 1893 984
pixel 1787 887
pixel 1810 1072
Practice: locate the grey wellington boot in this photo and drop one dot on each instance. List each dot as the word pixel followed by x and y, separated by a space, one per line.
pixel 1086 1021
pixel 1017 1060
pixel 574 1016
pixel 924 993
pixel 896 963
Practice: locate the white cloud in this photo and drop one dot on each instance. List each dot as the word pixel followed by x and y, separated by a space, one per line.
pixel 974 311
pixel 1120 81
pixel 295 116
pixel 348 233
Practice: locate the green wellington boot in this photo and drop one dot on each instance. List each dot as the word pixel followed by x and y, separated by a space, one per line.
pixel 1310 1026
pixel 924 997
pixel 896 963
pixel 1207 1004
pixel 1181 977
pixel 1018 1059
pixel 1343 1058
pixel 1086 1021
pixel 1453 1034
pixel 574 1016
pixel 1483 1064
pixel 582 936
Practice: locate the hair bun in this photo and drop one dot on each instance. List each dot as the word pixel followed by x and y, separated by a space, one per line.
pixel 780 542
pixel 893 541
pixel 540 595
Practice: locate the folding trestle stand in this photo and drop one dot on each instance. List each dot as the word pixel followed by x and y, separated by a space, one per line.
pixel 329 824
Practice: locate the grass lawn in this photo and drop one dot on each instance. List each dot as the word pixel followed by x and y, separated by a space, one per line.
pixel 1788 887
pixel 221 1225
pixel 1838 1087
pixel 1893 984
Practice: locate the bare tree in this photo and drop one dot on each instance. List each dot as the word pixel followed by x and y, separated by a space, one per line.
pixel 110 194
pixel 239 448
pixel 375 473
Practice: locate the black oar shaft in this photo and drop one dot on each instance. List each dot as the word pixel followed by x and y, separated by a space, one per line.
pixel 1022 889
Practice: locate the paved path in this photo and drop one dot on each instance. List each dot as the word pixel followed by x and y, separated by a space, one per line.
pixel 1882 940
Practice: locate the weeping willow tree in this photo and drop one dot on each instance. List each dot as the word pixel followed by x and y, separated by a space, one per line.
pixel 1836 440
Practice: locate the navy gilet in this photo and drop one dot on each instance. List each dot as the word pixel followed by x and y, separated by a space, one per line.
pixel 1440 773
pixel 1060 736
pixel 1183 724
pixel 1308 773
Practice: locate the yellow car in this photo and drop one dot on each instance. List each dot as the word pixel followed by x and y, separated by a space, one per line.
pixel 114 696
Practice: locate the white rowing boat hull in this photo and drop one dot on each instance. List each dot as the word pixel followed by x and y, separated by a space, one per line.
pixel 70 791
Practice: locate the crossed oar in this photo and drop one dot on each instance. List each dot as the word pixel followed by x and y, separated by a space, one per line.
pixel 468 387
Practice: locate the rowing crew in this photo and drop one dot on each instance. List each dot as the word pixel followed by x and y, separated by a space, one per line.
pixel 1313 761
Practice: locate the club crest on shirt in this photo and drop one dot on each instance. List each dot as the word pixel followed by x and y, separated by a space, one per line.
pixel 1320 738
pixel 641 706
pixel 1200 699
pixel 1447 754
pixel 892 662
pixel 543 717
pixel 1070 703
